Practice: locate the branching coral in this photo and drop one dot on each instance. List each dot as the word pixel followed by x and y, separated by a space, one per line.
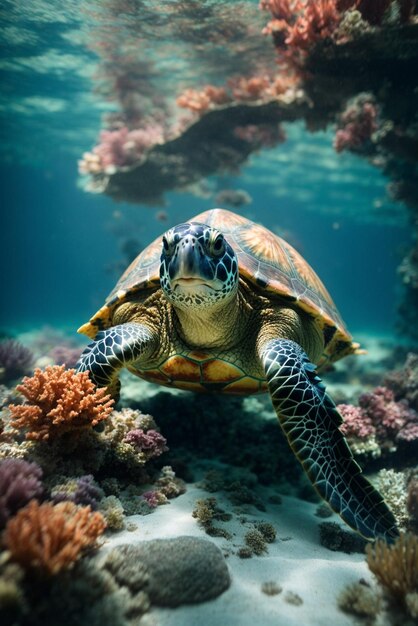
pixel 396 566
pixel 298 25
pixel 59 401
pixel 15 359
pixel 20 482
pixel 50 538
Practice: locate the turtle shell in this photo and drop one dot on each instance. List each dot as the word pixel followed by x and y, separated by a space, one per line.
pixel 266 261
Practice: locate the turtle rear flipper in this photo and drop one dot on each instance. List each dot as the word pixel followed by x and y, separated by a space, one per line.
pixel 310 421
pixel 113 349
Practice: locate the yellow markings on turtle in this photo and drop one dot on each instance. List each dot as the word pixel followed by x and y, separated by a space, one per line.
pixel 246 386
pixel 179 368
pixel 99 321
pixel 217 371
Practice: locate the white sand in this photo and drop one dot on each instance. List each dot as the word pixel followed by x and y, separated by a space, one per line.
pixel 296 561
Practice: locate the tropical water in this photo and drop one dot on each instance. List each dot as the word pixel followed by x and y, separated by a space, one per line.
pixel 61 248
pixel 118 120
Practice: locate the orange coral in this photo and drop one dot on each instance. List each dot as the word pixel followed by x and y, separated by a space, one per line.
pixel 50 537
pixel 201 101
pixel 59 401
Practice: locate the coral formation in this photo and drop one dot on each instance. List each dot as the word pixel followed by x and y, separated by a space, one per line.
pixel 380 423
pixel 392 486
pixel 83 490
pixel 20 482
pixel 395 566
pixel 182 570
pixel 356 125
pixel 15 360
pixel 271 588
pixel 256 541
pixel 112 510
pixel 206 511
pixel 49 538
pixel 360 599
pixel 59 401
pixel 149 444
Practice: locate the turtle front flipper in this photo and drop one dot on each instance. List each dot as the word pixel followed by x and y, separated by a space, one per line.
pixel 310 421
pixel 113 349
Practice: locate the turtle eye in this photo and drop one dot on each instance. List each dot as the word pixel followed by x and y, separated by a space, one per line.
pixel 218 245
pixel 166 245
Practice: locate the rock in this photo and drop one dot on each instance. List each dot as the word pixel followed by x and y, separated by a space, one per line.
pixel 182 570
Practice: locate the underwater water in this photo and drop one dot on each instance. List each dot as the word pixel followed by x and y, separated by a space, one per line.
pixel 59 244
pixel 120 119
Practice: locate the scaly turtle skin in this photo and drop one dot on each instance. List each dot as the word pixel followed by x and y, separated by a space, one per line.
pixel 222 304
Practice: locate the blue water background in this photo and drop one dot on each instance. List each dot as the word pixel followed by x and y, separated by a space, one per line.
pixel 57 241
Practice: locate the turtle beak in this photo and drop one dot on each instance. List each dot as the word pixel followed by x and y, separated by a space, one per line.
pixel 187 262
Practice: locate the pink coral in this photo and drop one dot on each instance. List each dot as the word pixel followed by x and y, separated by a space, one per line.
pixel 151 443
pixel 154 498
pixel 381 417
pixel 120 148
pixel 388 416
pixel 356 423
pixel 357 124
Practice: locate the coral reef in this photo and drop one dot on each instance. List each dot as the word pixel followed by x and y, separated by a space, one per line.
pixel 357 124
pixel 207 511
pixel 183 570
pixel 392 486
pixel 82 491
pixel 49 538
pixel 380 423
pixel 361 600
pixel 396 567
pixel 20 482
pixel 16 360
pixel 59 401
pixel 256 542
pixel 149 444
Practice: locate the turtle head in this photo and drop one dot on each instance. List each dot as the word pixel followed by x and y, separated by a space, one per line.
pixel 198 266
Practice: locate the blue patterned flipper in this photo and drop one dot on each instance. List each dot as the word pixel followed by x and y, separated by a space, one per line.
pixel 310 421
pixel 113 349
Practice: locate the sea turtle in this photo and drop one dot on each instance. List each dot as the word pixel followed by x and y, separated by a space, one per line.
pixel 221 304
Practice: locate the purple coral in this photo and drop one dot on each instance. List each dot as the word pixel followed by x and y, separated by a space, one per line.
pixel 151 443
pixel 20 482
pixel 65 355
pixel 83 491
pixel 15 359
